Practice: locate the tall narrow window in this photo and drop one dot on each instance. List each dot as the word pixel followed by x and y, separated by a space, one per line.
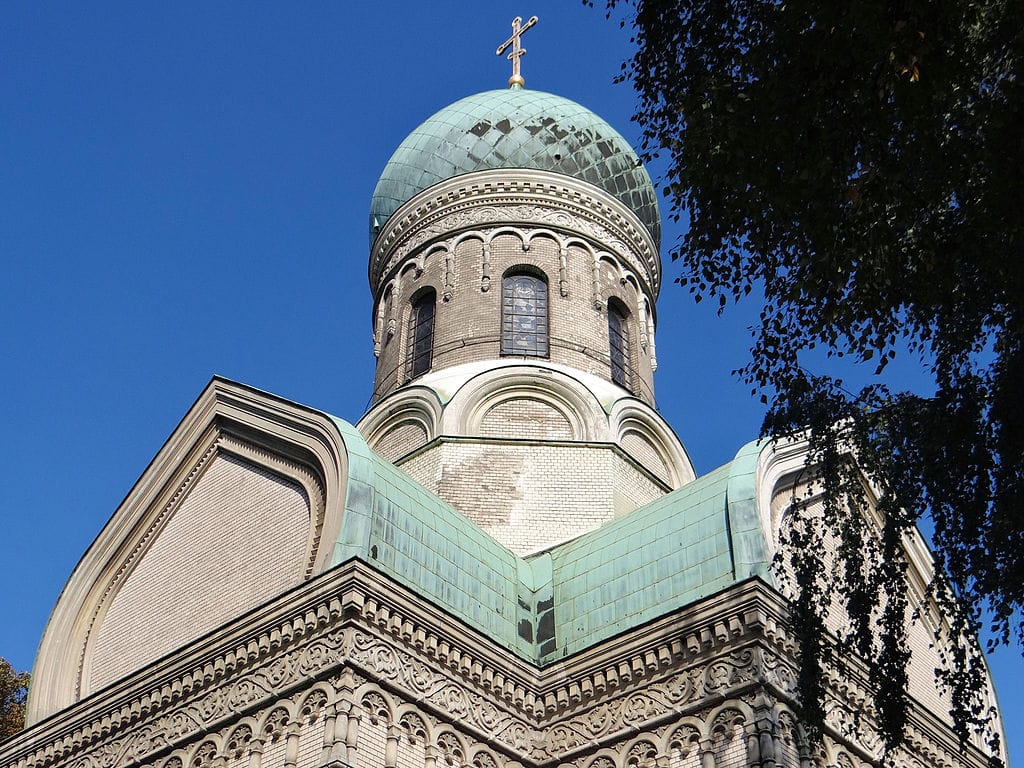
pixel 524 316
pixel 421 334
pixel 618 344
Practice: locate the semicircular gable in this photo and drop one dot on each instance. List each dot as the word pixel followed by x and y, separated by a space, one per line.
pixel 409 421
pixel 644 435
pixel 242 503
pixel 549 394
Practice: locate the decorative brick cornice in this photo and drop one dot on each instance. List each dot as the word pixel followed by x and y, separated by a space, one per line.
pixel 532 198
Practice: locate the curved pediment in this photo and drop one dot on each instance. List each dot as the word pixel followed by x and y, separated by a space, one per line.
pixel 242 503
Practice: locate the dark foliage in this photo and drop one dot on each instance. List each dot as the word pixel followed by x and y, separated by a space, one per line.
pixel 13 690
pixel 859 165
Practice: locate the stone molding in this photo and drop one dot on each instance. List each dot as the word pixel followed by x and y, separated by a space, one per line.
pixel 632 415
pixel 301 444
pixel 325 647
pixel 532 198
pixel 467 396
pixel 217 442
pixel 412 403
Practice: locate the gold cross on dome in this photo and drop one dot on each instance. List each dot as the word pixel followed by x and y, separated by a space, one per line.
pixel 517 49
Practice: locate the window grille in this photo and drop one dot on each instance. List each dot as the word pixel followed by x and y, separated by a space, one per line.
pixel 618 343
pixel 524 316
pixel 421 334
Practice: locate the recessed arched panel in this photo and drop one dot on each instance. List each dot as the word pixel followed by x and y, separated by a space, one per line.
pixel 400 439
pixel 555 400
pixel 525 418
pixel 205 563
pixel 641 449
pixel 644 435
pixel 407 420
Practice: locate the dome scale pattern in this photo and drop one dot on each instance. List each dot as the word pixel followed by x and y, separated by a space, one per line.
pixel 515 128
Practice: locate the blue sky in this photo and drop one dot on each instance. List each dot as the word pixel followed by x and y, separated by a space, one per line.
pixel 184 191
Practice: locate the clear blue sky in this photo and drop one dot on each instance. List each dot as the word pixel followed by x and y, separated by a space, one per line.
pixel 184 191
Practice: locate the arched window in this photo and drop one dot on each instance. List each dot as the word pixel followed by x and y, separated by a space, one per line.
pixel 421 333
pixel 618 344
pixel 524 315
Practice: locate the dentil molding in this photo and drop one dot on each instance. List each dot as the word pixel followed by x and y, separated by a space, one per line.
pixel 512 196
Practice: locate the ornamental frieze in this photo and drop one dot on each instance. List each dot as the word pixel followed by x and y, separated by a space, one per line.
pixel 511 196
pixel 312 664
pixel 440 235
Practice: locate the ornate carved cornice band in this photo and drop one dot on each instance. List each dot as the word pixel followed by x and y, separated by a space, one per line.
pixel 512 196
pixel 353 624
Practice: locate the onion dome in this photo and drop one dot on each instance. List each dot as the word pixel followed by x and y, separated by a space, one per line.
pixel 515 128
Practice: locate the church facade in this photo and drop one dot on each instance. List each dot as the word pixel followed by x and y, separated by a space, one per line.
pixel 508 562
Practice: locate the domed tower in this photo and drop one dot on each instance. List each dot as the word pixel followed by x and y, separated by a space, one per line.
pixel 514 267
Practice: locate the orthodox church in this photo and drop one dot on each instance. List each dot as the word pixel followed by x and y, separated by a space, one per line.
pixel 508 562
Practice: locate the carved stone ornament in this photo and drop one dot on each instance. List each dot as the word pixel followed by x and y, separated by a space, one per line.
pixel 353 647
pixel 509 196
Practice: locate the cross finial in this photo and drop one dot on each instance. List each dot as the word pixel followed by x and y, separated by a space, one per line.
pixel 516 81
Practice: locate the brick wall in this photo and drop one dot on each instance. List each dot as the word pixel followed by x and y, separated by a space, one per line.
pixel 400 439
pixel 237 539
pixel 925 656
pixel 529 496
pixel 641 449
pixel 467 325
pixel 523 418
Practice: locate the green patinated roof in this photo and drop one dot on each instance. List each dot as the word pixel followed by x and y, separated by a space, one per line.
pixel 395 525
pixel 672 552
pixel 667 554
pixel 664 555
pixel 515 128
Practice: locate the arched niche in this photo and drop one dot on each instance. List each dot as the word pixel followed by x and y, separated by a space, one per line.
pixel 541 389
pixel 645 436
pixel 404 421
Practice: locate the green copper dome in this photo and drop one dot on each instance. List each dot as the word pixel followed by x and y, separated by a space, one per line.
pixel 515 128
